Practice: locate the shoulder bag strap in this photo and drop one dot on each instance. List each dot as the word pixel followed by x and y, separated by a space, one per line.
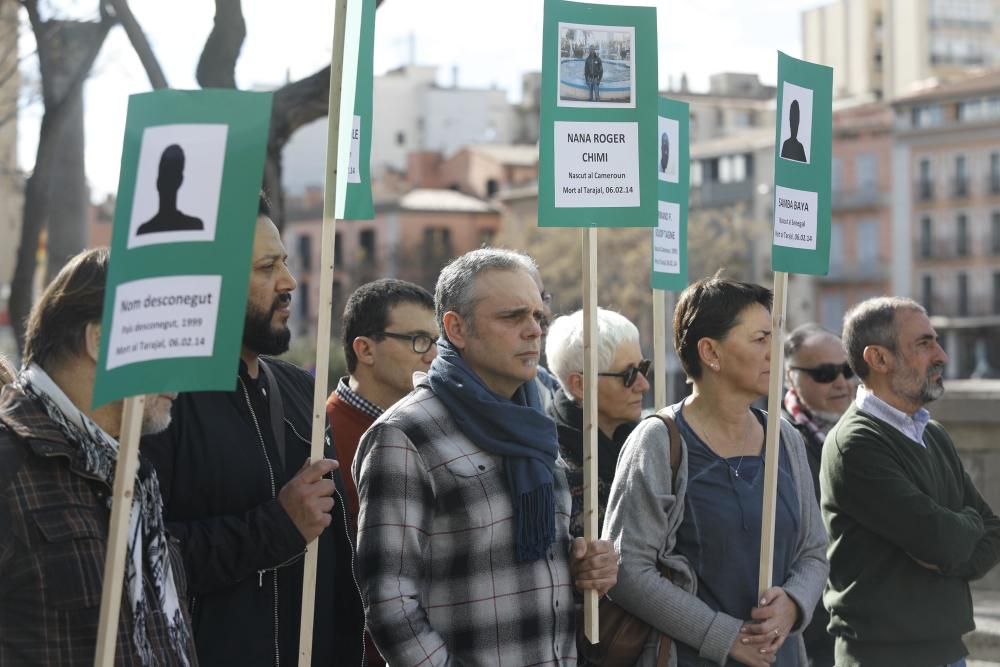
pixel 276 408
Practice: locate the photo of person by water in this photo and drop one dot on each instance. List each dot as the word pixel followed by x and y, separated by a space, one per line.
pixel 796 122
pixel 596 66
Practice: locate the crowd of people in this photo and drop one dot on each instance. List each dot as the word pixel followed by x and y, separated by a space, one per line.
pixel 448 508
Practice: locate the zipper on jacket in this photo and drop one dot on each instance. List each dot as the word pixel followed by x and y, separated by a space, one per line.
pixel 350 544
pixel 270 472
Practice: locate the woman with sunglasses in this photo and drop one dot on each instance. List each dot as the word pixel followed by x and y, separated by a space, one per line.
pixel 621 384
pixel 705 525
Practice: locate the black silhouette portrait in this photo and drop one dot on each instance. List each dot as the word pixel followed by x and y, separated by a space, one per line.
pixel 168 182
pixel 664 152
pixel 793 149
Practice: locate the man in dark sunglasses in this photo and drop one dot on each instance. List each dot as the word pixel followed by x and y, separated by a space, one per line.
pixel 820 388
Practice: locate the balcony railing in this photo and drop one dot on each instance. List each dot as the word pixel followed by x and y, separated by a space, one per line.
pixel 943 249
pixel 869 197
pixel 722 194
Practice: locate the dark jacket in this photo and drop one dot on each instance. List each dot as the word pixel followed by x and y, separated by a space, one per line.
pixel 53 531
pixel 819 642
pixel 593 69
pixel 568 417
pixel 220 472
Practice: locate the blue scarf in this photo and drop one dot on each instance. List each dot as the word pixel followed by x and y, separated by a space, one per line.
pixel 514 428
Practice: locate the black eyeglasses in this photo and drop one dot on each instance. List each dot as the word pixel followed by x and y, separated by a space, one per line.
pixel 827 373
pixel 419 342
pixel 632 373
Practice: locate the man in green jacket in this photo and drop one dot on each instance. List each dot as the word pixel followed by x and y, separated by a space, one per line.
pixel 908 529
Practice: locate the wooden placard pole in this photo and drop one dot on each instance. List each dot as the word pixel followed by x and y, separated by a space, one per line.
pixel 771 448
pixel 121 507
pixel 324 316
pixel 659 349
pixel 590 370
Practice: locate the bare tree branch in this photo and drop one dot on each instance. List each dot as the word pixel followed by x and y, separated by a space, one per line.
pixel 140 43
pixel 217 65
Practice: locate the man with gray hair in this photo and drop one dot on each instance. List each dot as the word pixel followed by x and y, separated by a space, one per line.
pixel 908 529
pixel 464 551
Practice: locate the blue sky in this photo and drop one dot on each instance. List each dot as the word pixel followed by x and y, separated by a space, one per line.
pixel 490 42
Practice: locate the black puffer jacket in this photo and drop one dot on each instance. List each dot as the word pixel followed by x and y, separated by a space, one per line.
pixel 220 470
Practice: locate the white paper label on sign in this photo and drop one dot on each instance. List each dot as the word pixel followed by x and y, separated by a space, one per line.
pixel 164 318
pixel 353 168
pixel 795 218
pixel 596 165
pixel 666 239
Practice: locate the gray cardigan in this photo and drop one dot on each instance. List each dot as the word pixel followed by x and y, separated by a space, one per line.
pixel 642 519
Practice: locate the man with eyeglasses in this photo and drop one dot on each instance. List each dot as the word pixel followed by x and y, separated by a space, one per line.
pixel 820 388
pixel 908 528
pixel 389 333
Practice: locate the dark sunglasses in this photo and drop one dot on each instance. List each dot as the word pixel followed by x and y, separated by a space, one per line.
pixel 632 373
pixel 420 343
pixel 827 373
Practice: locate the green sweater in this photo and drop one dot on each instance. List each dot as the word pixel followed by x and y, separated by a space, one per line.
pixel 888 502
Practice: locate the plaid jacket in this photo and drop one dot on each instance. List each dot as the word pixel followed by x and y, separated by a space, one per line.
pixel 436 550
pixel 53 529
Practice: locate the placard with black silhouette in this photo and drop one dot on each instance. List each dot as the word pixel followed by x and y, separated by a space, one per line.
pixel 666 166
pixel 178 184
pixel 796 123
pixel 596 66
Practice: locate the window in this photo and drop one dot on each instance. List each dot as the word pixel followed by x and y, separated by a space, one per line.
pixel 927 293
pixel 866 166
pixel 995 233
pixel 926 238
pixel 302 297
pixel 400 138
pixel 925 184
pixel 492 185
pixel 962 238
pixel 995 173
pixel 305 252
pixel 367 242
pixel 927 116
pixel 836 248
pixel 836 169
pixel 437 246
pixel 338 254
pixel 996 292
pixel 961 177
pixel 832 315
pixel 963 294
pixel 868 245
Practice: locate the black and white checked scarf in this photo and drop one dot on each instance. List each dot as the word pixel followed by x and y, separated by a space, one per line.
pixel 147 535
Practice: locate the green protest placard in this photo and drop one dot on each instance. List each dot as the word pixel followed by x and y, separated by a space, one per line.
pixel 673 175
pixel 802 156
pixel 354 189
pixel 598 117
pixel 181 245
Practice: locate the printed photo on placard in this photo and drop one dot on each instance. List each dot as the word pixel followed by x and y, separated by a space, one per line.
pixel 596 66
pixel 178 183
pixel 669 155
pixel 796 122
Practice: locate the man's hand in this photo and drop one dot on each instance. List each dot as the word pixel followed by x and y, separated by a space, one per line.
pixel 772 622
pixel 594 565
pixel 307 497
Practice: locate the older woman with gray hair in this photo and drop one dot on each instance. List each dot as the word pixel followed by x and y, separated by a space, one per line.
pixel 621 385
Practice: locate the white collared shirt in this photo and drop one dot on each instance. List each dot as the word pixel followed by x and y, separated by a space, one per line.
pixel 912 427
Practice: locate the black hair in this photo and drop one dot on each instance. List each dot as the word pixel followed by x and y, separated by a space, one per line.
pixel 367 310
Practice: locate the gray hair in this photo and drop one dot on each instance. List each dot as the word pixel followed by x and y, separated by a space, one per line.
pixel 455 282
pixel 797 338
pixel 873 322
pixel 564 347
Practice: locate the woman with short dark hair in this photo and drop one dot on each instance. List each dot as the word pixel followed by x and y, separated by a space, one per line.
pixel 705 525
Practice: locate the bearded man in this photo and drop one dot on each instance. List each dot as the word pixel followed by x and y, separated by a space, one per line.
pixel 244 500
pixel 908 528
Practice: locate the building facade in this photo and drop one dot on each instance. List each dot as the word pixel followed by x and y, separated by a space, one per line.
pixel 946 215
